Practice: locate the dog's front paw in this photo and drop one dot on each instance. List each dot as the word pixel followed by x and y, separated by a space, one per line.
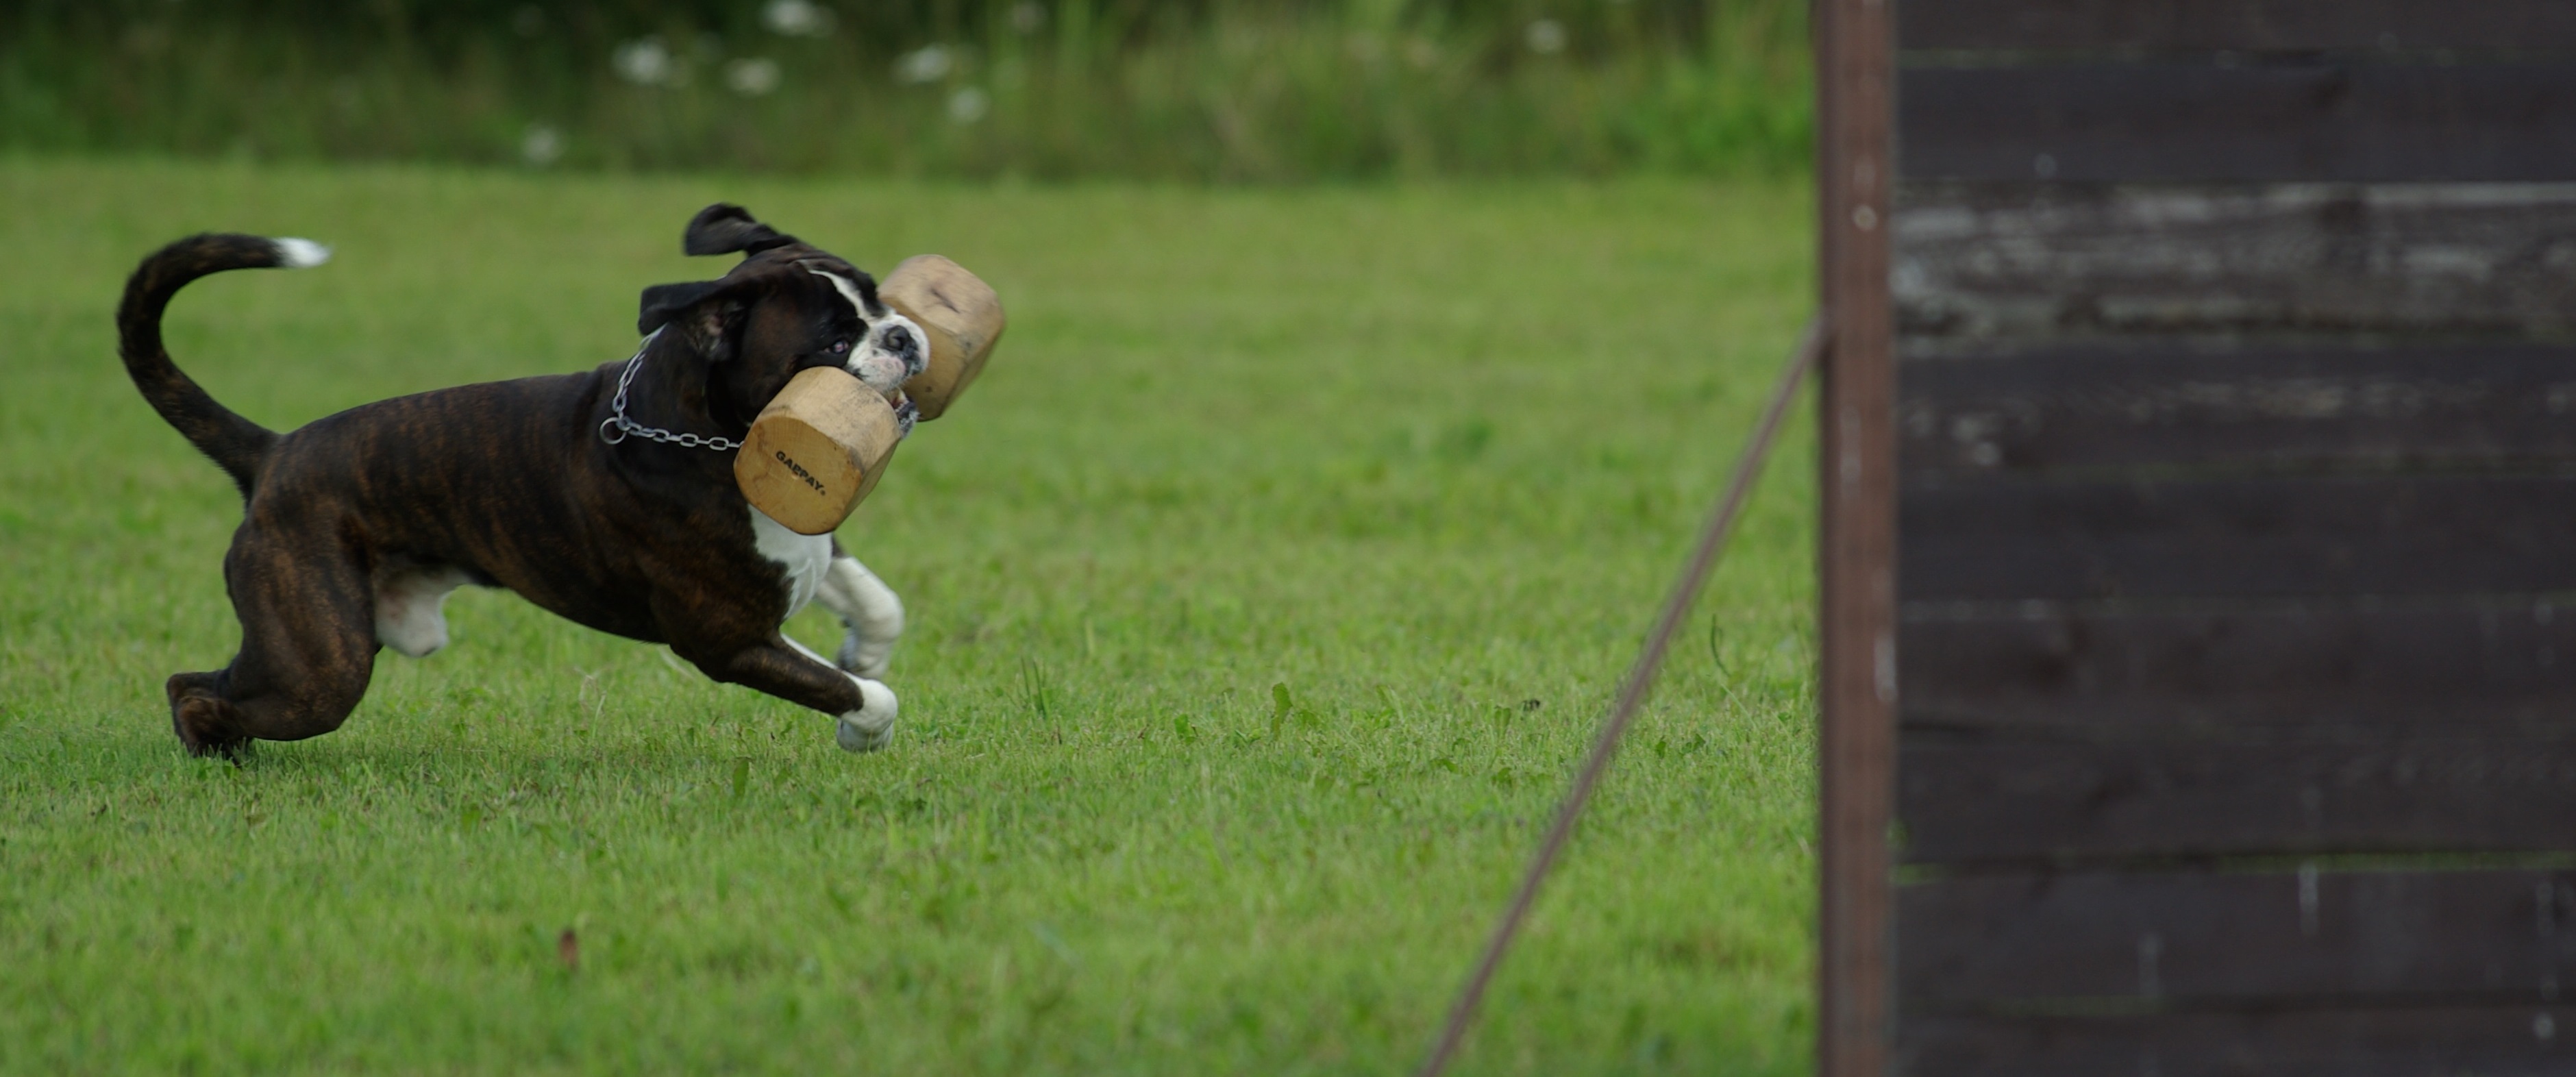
pixel 870 727
pixel 906 413
pixel 872 613
pixel 864 657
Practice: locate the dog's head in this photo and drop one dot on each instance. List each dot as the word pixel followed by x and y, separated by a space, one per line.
pixel 786 308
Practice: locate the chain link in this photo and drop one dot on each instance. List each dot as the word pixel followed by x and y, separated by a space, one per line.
pixel 624 426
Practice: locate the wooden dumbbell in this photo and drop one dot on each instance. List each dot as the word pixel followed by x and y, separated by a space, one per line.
pixel 816 450
pixel 823 442
pixel 961 315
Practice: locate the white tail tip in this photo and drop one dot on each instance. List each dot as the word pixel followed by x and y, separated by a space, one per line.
pixel 301 253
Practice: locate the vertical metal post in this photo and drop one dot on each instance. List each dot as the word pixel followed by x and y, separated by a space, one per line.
pixel 1856 557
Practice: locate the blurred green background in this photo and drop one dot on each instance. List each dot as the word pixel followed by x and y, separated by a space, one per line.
pixel 1259 91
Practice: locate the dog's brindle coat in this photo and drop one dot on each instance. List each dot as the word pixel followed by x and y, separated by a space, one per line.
pixel 355 527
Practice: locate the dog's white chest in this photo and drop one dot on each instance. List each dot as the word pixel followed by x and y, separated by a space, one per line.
pixel 805 557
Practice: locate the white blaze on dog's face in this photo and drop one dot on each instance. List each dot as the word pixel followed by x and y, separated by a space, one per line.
pixel 891 350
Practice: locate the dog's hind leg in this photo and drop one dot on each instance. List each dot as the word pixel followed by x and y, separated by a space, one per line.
pixel 308 647
pixel 870 609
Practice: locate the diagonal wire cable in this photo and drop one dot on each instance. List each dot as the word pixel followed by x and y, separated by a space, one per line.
pixel 1632 692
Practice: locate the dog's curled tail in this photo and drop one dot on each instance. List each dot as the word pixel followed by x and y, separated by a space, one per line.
pixel 234 443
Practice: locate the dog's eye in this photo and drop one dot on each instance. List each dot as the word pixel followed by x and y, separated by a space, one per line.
pixel 840 347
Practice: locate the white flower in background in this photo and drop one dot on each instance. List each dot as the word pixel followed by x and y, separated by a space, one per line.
pixel 752 77
pixel 644 61
pixel 968 105
pixel 797 18
pixel 1546 36
pixel 541 146
pixel 929 63
pixel 1027 16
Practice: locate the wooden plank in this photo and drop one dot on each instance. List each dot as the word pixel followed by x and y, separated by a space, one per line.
pixel 1856 541
pixel 1980 801
pixel 2275 673
pixel 2102 942
pixel 2323 120
pixel 2411 1041
pixel 1982 264
pixel 2097 407
pixel 2010 539
pixel 2251 25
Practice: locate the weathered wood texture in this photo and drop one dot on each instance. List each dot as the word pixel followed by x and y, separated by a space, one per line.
pixel 2324 119
pixel 2237 509
pixel 2189 940
pixel 2212 25
pixel 2296 407
pixel 2301 671
pixel 2404 1041
pixel 2038 802
pixel 2156 538
pixel 2028 263
pixel 2057 734
pixel 1856 689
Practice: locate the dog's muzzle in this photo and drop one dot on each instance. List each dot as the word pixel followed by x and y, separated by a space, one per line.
pixel 896 352
pixel 903 341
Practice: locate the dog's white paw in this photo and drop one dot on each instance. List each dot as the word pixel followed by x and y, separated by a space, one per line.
pixel 872 612
pixel 871 726
pixel 864 657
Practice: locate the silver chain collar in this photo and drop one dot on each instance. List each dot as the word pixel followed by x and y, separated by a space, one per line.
pixel 623 426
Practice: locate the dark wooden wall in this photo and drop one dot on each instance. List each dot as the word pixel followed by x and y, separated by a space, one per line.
pixel 2236 552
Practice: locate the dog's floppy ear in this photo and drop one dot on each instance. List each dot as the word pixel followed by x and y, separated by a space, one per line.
pixel 664 302
pixel 724 228
pixel 720 303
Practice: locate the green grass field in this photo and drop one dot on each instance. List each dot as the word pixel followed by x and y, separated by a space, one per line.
pixel 1427 456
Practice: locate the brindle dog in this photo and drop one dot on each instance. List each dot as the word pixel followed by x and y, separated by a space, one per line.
pixel 607 497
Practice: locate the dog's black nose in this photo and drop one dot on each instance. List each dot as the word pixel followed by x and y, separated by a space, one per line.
pixel 901 341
